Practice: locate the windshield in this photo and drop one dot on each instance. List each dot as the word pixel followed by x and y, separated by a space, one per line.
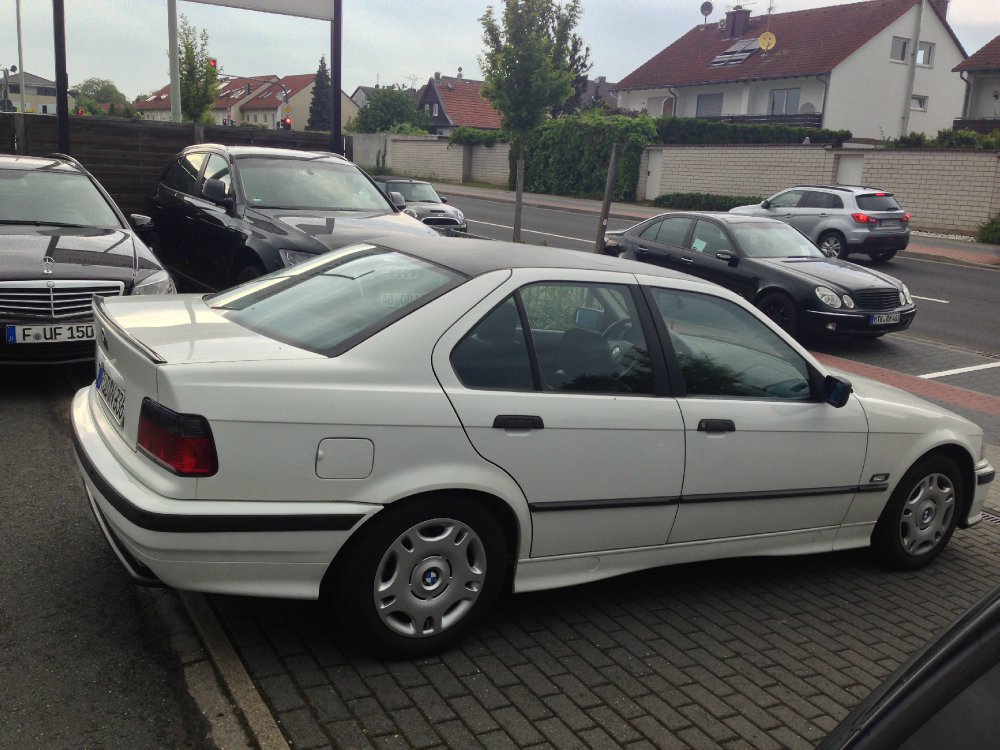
pixel 414 191
pixel 57 198
pixel 308 184
pixel 331 303
pixel 767 240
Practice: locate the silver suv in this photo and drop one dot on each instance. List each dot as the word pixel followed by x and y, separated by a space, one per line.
pixel 841 219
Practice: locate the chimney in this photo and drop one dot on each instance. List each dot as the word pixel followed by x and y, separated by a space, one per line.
pixel 737 22
pixel 437 75
pixel 459 76
pixel 601 80
pixel 942 7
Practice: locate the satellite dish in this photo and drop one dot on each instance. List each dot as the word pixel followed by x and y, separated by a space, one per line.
pixel 767 41
pixel 706 9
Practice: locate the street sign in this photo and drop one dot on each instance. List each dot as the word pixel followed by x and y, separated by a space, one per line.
pixel 287 109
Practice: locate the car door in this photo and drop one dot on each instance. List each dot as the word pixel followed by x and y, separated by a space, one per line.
pixel 765 455
pixel 172 221
pixel 558 381
pixel 816 212
pixel 711 255
pixel 786 206
pixel 216 238
pixel 661 241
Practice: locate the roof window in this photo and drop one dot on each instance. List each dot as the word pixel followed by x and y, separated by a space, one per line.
pixel 735 54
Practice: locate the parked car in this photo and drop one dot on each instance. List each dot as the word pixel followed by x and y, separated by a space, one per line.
pixel 841 219
pixel 775 267
pixel 62 241
pixel 421 201
pixel 408 427
pixel 225 214
pixel 945 695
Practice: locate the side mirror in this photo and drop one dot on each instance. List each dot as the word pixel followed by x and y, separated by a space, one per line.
pixel 731 258
pixel 443 199
pixel 836 391
pixel 217 192
pixel 766 203
pixel 397 200
pixel 141 223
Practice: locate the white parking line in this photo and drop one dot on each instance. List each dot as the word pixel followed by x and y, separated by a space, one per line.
pixel 959 371
pixel 531 231
pixel 931 299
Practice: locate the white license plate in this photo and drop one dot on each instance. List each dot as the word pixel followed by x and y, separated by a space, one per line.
pixel 885 319
pixel 112 393
pixel 50 334
pixel 889 223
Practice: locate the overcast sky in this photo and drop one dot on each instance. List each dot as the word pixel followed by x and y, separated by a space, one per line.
pixel 385 41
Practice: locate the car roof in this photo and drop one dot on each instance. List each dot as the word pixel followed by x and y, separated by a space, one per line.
pixel 281 153
pixel 475 257
pixel 724 216
pixel 842 188
pixel 52 163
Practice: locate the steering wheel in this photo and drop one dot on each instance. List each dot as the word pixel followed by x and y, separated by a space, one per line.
pixel 618 336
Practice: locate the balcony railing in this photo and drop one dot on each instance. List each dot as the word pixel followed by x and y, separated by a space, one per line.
pixel 980 126
pixel 814 120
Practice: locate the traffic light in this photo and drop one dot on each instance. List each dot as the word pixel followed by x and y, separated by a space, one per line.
pixel 213 63
pixel 286 124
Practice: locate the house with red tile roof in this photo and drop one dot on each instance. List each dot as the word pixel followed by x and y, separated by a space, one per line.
pixel 879 68
pixel 233 93
pixel 982 102
pixel 290 97
pixel 450 103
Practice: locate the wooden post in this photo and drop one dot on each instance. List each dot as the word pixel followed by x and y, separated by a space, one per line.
pixel 609 189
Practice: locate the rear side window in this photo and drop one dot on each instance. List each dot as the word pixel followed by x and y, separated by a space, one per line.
pixel 822 200
pixel 336 301
pixel 878 202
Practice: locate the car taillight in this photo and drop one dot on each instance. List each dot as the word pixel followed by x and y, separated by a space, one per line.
pixel 906 217
pixel 181 443
pixel 863 219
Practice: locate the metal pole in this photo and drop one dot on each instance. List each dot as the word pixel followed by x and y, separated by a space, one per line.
pixel 609 189
pixel 336 36
pixel 175 66
pixel 20 54
pixel 911 73
pixel 62 79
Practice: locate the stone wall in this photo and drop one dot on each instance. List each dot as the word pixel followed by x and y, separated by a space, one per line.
pixel 432 158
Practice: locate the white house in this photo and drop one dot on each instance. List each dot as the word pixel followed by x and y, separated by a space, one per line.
pixel 879 68
pixel 982 102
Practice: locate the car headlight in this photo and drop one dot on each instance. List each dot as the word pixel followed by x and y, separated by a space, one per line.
pixel 461 216
pixel 158 282
pixel 904 296
pixel 828 297
pixel 410 212
pixel 291 257
pixel 848 302
pixel 611 242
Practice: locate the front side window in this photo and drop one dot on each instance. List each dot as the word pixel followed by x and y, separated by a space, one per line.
pixel 218 169
pixel 709 238
pixel 723 351
pixel 787 199
pixel 584 338
pixel 307 184
pixel 331 303
pixel 183 175
pixel 52 197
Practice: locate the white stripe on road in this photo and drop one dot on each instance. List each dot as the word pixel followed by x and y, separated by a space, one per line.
pixel 530 231
pixel 931 299
pixel 959 371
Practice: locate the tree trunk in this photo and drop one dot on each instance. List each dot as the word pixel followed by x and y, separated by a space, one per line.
pixel 518 196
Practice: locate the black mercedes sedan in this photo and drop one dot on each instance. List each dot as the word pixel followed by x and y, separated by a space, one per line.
pixel 223 215
pixel 775 267
pixel 63 241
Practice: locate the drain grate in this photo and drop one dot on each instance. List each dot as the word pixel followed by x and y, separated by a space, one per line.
pixel 991 518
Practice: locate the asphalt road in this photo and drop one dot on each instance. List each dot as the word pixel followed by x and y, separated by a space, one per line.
pixel 85 658
pixel 956 304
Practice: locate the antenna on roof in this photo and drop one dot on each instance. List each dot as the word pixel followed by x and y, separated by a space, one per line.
pixel 412 78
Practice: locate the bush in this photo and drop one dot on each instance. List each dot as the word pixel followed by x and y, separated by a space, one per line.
pixel 949 138
pixel 692 131
pixel 474 136
pixel 704 201
pixel 989 232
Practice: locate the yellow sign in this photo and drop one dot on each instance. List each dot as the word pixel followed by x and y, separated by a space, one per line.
pixel 287 109
pixel 767 41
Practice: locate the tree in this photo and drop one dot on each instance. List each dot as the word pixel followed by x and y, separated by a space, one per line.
pixel 527 70
pixel 387 106
pixel 577 60
pixel 101 90
pixel 319 109
pixel 199 79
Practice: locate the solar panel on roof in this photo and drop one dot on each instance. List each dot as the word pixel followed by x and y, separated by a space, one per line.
pixel 735 53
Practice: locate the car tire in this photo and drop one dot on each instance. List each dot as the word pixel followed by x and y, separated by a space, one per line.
pixel 833 245
pixel 881 256
pixel 247 273
pixel 781 309
pixel 921 515
pixel 415 579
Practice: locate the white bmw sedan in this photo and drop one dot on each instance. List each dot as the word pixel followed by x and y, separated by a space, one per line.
pixel 407 427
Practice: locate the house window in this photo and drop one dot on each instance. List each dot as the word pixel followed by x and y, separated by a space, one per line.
pixel 784 101
pixel 918 103
pixel 899 47
pixel 925 53
pixel 427 109
pixel 709 105
pixel 255 117
pixel 435 109
pixel 45 109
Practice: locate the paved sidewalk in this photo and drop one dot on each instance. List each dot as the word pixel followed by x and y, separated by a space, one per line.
pixel 921 245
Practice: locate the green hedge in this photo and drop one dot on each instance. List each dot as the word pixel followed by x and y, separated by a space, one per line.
pixel 989 232
pixel 949 138
pixel 692 131
pixel 704 201
pixel 475 136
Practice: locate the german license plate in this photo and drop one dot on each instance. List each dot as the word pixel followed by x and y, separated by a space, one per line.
pixel 889 223
pixel 884 319
pixel 50 334
pixel 112 393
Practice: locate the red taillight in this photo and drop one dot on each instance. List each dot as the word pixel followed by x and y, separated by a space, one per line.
pixel 181 443
pixel 906 217
pixel 880 195
pixel 863 219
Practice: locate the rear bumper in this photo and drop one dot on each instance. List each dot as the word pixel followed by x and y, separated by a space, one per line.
pixel 872 241
pixel 817 323
pixel 233 547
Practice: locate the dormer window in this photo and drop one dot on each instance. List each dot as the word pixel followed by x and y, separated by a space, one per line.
pixel 736 53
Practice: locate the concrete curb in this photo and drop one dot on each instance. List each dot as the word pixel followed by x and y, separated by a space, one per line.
pixel 258 719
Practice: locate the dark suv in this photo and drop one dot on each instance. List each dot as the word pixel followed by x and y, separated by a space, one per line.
pixel 223 215
pixel 63 241
pixel 841 219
